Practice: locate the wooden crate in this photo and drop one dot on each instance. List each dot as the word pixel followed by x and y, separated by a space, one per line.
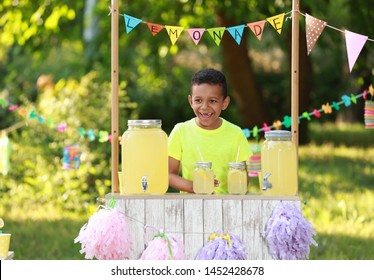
pixel 192 218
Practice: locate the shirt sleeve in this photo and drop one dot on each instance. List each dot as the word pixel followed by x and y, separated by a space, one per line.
pixel 175 143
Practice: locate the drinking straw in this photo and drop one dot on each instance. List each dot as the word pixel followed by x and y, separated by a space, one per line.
pixel 201 156
pixel 237 156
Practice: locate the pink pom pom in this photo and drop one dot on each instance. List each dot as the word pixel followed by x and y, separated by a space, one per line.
pixel 105 236
pixel 164 247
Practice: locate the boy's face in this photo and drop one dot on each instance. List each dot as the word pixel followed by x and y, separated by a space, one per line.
pixel 207 102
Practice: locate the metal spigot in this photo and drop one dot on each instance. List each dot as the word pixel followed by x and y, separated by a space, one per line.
pixel 266 184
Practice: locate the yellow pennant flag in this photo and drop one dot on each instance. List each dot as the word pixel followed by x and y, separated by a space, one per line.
pixel 174 32
pixel 277 22
pixel 216 34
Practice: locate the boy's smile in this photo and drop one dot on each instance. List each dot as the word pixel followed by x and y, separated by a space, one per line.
pixel 207 102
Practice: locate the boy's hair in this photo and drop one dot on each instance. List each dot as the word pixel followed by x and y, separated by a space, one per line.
pixel 212 77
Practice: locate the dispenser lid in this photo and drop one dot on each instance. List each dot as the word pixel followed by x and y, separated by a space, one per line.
pixel 278 134
pixel 144 122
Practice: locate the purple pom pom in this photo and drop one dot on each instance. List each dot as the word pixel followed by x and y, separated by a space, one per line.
pixel 289 234
pixel 223 247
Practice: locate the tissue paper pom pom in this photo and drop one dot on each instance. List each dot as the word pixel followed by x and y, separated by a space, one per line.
pixel 289 234
pixel 223 247
pixel 164 247
pixel 105 236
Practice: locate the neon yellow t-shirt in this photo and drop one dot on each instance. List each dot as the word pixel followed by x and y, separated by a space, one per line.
pixel 219 146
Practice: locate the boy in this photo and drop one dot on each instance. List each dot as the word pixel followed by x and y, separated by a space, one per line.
pixel 216 139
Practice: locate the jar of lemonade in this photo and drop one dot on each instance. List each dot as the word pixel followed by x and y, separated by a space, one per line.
pixel 279 162
pixel 144 158
pixel 237 178
pixel 203 178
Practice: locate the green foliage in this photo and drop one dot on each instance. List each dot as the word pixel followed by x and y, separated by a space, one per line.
pixel 36 176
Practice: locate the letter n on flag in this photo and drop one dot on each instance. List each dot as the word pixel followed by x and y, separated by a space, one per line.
pixel 314 28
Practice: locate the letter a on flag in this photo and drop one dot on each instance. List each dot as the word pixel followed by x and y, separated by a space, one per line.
pixel 236 32
pixel 131 23
pixel 355 42
pixel 314 28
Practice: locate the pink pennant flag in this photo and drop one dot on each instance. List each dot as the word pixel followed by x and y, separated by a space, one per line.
pixel 354 42
pixel 257 28
pixel 196 34
pixel 154 28
pixel 314 28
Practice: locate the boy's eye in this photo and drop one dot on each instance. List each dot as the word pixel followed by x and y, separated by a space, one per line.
pixel 213 101
pixel 197 100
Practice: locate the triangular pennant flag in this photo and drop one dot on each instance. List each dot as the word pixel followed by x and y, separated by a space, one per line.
pixel 217 34
pixel 355 42
pixel 236 32
pixel 277 22
pixel 257 28
pixel 196 34
pixel 314 28
pixel 131 23
pixel 174 32
pixel 154 28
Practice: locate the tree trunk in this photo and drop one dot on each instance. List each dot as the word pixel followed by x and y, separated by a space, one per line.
pixel 241 77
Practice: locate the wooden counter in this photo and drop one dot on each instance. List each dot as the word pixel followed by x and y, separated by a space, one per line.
pixel 192 218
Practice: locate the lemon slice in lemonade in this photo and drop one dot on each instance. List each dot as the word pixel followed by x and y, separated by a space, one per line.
pixel 1 223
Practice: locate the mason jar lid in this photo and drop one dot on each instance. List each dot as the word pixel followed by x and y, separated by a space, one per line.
pixel 204 164
pixel 237 164
pixel 144 122
pixel 272 134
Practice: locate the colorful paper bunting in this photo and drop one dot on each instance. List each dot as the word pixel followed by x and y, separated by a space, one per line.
pixel 314 28
pixel 287 121
pixel 335 106
pixel 265 127
pixel 131 22
pixel 13 108
pixel 277 124
pixel 217 34
pixel 103 136
pixel 354 42
pixel 247 132
pixel 306 115
pixel 196 34
pixel 277 22
pixel 62 127
pixel 174 32
pixel 236 32
pixel 154 28
pixel 316 113
pixel 353 98
pixel 257 28
pixel 346 100
pixel 327 108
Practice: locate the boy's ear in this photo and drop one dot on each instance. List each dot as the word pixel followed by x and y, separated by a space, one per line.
pixel 226 102
pixel 190 99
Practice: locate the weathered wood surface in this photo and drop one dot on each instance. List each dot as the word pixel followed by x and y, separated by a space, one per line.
pixel 192 218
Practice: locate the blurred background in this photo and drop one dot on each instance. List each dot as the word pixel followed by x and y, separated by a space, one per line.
pixel 55 92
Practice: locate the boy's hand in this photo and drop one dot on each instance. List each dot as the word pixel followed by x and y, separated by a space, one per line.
pixel 216 183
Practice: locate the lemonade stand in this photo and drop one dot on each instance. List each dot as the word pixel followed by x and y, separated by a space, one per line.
pixel 193 217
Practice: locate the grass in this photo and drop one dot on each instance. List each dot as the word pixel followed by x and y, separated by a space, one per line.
pixel 336 186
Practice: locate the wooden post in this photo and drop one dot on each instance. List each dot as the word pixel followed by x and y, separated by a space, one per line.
pixel 295 79
pixel 114 80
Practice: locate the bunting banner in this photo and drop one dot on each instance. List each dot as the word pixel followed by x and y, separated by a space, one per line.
pixel 354 42
pixel 314 28
pixel 216 33
pixel 196 34
pixel 277 22
pixel 257 28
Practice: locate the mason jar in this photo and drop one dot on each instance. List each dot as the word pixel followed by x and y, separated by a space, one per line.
pixel 237 178
pixel 203 178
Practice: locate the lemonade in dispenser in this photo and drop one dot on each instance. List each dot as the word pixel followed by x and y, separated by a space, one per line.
pixel 279 164
pixel 144 158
